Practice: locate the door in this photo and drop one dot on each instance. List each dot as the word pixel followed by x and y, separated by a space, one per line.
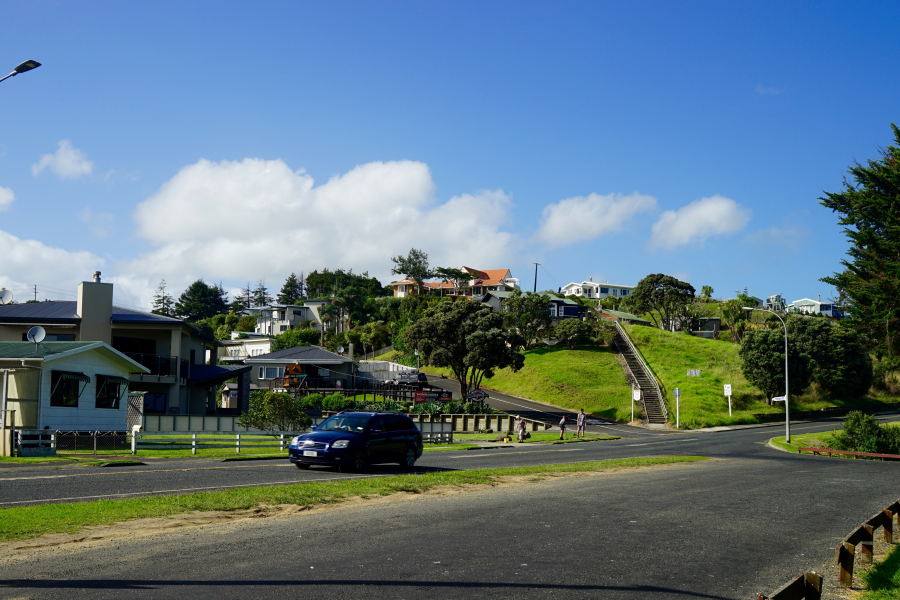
pixel 379 441
pixel 398 435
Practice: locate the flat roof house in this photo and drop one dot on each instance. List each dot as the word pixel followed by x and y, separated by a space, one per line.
pixel 596 290
pixel 66 385
pixel 177 380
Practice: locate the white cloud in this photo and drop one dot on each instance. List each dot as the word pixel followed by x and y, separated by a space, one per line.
pixel 29 262
pixel 6 198
pixel 587 217
pixel 697 222
pixel 251 219
pixel 767 91
pixel 100 223
pixel 66 162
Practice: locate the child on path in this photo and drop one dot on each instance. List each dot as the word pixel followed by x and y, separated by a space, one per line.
pixel 582 418
pixel 562 426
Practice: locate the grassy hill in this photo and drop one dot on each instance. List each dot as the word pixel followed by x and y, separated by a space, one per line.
pixel 588 378
pixel 703 403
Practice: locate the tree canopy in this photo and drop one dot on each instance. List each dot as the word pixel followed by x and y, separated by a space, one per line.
pixel 840 363
pixel 201 301
pixel 275 411
pixel 414 266
pixel 528 314
pixel 469 338
pixel 291 291
pixel 163 303
pixel 762 363
pixel 661 296
pixel 295 337
pixel 869 209
pixel 573 332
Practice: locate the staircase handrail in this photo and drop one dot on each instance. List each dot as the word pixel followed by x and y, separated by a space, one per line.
pixel 647 371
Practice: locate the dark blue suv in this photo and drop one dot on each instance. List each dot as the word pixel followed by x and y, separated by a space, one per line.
pixel 354 440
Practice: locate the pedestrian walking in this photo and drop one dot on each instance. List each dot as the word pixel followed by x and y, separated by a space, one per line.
pixel 562 426
pixel 520 428
pixel 579 423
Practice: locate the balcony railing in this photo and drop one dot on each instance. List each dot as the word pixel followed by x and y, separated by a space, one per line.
pixel 159 365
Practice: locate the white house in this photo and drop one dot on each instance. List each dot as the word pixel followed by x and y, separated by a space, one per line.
pixel 236 350
pixel 808 306
pixel 596 290
pixel 74 386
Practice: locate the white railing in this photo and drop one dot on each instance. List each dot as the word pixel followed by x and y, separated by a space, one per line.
pixel 647 371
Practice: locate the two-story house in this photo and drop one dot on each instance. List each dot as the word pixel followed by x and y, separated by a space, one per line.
pixel 278 318
pixel 480 283
pixel 182 362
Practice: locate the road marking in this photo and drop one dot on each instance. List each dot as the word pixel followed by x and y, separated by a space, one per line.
pixel 666 442
pixel 139 472
pixel 196 489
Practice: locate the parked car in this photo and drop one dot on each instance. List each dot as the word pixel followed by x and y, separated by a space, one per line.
pixel 352 441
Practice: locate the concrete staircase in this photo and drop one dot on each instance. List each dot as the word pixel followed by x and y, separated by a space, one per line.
pixel 651 395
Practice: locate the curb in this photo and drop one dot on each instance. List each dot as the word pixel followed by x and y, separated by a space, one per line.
pixel 243 458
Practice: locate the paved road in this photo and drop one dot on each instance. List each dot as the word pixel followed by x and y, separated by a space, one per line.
pixel 727 528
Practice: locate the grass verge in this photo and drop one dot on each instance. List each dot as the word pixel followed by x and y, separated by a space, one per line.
pixel 806 440
pixel 883 579
pixel 536 436
pixel 33 521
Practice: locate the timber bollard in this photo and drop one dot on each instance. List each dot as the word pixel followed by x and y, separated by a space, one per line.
pixel 887 524
pixel 807 586
pixel 868 537
pixel 844 554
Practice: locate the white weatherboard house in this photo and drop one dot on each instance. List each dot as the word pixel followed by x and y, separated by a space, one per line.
pixel 808 306
pixel 596 290
pixel 74 386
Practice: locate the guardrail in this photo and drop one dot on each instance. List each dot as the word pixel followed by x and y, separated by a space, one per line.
pixel 634 350
pixel 810 584
pixel 35 442
pixel 829 452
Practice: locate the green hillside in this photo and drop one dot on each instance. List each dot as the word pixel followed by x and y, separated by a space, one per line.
pixel 703 403
pixel 588 378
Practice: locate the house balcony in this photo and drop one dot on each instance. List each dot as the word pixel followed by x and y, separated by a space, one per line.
pixel 161 366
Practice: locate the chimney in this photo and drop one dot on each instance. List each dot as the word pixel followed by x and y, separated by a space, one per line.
pixel 94 307
pixel 820 297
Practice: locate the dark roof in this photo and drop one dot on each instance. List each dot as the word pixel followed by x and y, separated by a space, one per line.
pixel 214 374
pixel 44 349
pixel 305 353
pixel 65 311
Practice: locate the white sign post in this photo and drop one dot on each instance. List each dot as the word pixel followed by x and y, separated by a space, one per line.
pixel 635 397
pixel 728 393
pixel 677 408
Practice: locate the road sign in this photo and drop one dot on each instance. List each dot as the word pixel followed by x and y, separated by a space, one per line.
pixel 677 392
pixel 727 389
pixel 476 396
pixel 778 399
pixel 636 395
pixel 693 373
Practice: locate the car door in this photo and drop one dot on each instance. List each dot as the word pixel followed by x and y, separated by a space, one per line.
pixel 398 435
pixel 379 441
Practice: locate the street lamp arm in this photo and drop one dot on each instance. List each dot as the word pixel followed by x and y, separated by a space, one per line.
pixel 787 409
pixel 13 74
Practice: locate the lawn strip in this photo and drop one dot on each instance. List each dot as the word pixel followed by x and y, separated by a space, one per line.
pixel 883 579
pixel 33 521
pixel 806 440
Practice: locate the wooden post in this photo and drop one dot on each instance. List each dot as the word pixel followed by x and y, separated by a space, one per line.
pixel 868 538
pixel 888 524
pixel 845 554
pixel 813 586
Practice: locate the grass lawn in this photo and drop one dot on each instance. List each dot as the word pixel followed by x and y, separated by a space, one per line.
pixel 536 436
pixel 703 403
pixel 823 439
pixel 33 521
pixel 883 579
pixel 588 378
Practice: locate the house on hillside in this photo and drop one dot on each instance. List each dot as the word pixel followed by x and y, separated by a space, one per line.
pixel 69 385
pixel 177 379
pixel 560 308
pixel 481 282
pixel 235 350
pixel 808 306
pixel 776 302
pixel 322 369
pixel 278 318
pixel 596 291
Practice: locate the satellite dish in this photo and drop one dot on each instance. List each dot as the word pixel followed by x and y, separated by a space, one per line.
pixel 36 335
pixel 6 296
pixel 340 349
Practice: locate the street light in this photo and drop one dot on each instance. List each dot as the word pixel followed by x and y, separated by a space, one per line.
pixel 25 66
pixel 787 410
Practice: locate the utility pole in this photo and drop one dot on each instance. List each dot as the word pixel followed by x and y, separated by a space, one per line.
pixel 535 277
pixel 35 290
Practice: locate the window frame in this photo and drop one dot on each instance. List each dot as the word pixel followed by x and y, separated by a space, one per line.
pixel 64 386
pixel 103 382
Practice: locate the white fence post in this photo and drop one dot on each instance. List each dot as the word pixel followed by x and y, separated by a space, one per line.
pixel 194 444
pixel 238 443
pixel 281 442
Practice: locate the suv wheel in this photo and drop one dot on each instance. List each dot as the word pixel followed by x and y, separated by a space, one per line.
pixel 360 463
pixel 409 459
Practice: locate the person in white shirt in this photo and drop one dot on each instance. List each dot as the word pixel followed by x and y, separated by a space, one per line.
pixel 579 423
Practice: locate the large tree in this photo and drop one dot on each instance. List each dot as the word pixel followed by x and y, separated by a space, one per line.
pixel 200 301
pixel 261 296
pixel 469 338
pixel 840 364
pixel 457 277
pixel 291 291
pixel 163 303
pixel 869 209
pixel 762 363
pixel 414 266
pixel 295 337
pixel 661 296
pixel 527 313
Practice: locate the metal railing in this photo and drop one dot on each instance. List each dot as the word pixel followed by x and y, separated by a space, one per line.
pixel 647 371
pixel 91 442
pixel 160 365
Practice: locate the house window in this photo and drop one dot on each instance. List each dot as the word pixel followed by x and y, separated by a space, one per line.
pixel 134 345
pixel 284 328
pixel 110 391
pixel 154 403
pixel 623 293
pixel 271 372
pixel 66 387
pixel 604 290
pixel 193 356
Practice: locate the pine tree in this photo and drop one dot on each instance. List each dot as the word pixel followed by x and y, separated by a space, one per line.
pixel 290 291
pixel 200 301
pixel 247 296
pixel 261 295
pixel 163 303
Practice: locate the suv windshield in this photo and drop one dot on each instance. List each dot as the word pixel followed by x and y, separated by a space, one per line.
pixel 352 423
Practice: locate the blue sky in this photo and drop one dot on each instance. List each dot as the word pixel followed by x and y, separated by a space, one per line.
pixel 607 140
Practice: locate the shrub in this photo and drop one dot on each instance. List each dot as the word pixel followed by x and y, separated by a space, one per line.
pixel 313 402
pixel 573 332
pixel 337 403
pixel 428 408
pixel 275 411
pixel 862 433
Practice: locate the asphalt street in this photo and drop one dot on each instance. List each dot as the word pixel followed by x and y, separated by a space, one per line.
pixel 727 528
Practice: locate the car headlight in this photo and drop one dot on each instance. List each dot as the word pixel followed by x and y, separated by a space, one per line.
pixel 295 441
pixel 340 444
